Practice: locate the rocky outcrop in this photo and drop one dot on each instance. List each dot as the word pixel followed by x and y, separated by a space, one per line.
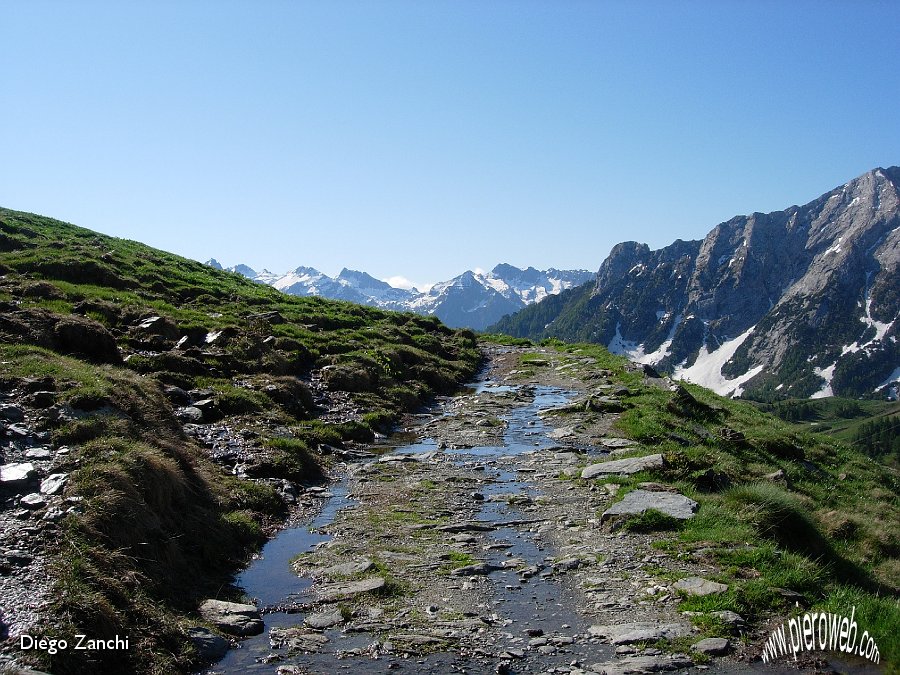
pixel 800 302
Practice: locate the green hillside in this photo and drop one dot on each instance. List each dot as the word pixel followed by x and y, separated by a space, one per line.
pixel 108 345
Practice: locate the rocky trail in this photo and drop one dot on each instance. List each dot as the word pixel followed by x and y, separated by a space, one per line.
pixel 470 544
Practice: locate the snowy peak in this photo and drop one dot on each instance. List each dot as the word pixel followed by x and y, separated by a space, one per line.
pixel 473 299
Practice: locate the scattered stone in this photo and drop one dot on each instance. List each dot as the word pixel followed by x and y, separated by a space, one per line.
pixel 699 586
pixel 712 646
pixel 640 631
pixel 624 467
pixel 209 645
pixel 232 617
pixel 637 502
pixel 54 483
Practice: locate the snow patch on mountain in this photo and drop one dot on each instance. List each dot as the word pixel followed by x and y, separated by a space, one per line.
pixel 707 368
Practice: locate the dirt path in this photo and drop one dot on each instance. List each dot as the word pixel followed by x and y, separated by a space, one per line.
pixel 474 549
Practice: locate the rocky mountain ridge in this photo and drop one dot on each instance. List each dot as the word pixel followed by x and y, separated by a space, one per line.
pixel 474 299
pixel 801 302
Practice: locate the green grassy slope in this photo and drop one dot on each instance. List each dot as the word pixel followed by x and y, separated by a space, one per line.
pixel 160 525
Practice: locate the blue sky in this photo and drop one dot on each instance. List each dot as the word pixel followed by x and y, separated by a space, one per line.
pixel 425 138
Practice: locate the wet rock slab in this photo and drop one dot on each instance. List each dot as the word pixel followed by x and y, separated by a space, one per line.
pixel 637 502
pixel 624 467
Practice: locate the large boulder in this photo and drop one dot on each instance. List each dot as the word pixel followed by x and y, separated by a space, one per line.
pixel 232 617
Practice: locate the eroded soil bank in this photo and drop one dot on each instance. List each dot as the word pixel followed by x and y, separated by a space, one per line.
pixel 471 544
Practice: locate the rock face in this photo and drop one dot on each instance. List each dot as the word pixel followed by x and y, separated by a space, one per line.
pixel 801 302
pixel 624 467
pixel 637 502
pixel 232 617
pixel 471 300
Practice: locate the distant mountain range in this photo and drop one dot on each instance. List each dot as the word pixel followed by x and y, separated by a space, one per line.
pixel 801 303
pixel 472 300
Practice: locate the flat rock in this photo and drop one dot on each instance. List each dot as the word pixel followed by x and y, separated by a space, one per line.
pixel 232 617
pixel 351 588
pixel 562 432
pixel 38 453
pixel 699 586
pixel 54 483
pixel 712 646
pixel 33 501
pixel 637 502
pixel 296 639
pixel 640 631
pixel 642 664
pixel 624 467
pixel 348 569
pixel 210 646
pixel 325 619
pixel 618 443
pixel 466 527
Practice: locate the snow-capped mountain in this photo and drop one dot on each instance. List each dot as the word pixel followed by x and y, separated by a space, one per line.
pixel 801 302
pixel 471 300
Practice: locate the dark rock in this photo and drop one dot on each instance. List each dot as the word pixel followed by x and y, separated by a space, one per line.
pixel 41 399
pixel 177 395
pixel 210 646
pixel 11 413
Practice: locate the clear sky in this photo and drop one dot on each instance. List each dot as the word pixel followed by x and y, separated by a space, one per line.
pixel 425 138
